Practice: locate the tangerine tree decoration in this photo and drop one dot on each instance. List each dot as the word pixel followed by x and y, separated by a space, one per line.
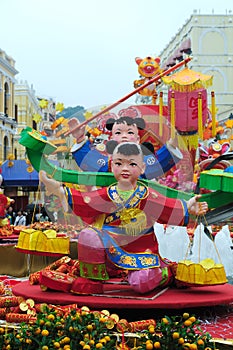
pixel 70 328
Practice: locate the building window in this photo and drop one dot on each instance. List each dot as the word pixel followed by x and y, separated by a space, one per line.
pixel 6 94
pixel 34 125
pixel 6 147
pixel 16 113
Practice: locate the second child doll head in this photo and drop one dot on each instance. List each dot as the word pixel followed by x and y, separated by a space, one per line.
pixel 128 129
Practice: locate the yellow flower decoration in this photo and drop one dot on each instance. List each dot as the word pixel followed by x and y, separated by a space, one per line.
pixel 10 164
pixel 37 117
pixel 60 107
pixel 10 157
pixel 88 115
pixel 229 123
pixel 30 169
pixel 43 104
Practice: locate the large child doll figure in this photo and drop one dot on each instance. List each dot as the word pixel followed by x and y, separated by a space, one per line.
pixel 124 129
pixel 120 235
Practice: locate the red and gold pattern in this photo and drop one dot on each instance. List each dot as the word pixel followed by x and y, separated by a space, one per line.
pixel 141 325
pixel 9 301
pixel 56 280
pixel 18 318
pixel 65 265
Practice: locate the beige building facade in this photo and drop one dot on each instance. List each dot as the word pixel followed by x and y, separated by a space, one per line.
pixel 7 105
pixel 208 39
pixel 18 105
pixel 26 106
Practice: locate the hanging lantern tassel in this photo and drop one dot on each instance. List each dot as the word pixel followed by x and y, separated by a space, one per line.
pixel 213 112
pixel 200 125
pixel 161 114
pixel 173 112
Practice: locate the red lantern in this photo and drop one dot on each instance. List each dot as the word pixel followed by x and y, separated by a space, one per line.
pixel 186 110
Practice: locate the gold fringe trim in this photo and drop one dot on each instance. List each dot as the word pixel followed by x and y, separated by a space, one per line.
pixel 191 87
pixel 187 141
pixel 133 220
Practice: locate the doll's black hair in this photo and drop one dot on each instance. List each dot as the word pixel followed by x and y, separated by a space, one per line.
pixel 126 148
pixel 139 122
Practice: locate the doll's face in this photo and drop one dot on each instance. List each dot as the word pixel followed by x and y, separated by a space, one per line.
pixel 127 169
pixel 125 133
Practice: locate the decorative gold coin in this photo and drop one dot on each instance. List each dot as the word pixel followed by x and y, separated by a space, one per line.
pixel 23 306
pixel 105 313
pixel 110 324
pixel 31 312
pixel 115 317
pixel 30 302
pixel 85 308
pixel 123 325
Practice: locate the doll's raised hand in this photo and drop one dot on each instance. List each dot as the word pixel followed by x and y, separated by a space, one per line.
pixel 195 207
pixel 77 133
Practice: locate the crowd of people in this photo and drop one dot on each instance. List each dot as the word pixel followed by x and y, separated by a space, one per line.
pixel 25 217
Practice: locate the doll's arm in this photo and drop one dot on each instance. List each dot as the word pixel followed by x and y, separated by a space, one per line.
pixel 54 187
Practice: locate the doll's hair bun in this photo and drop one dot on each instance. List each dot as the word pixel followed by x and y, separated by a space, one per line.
pixel 140 122
pixel 109 123
pixel 110 146
pixel 147 148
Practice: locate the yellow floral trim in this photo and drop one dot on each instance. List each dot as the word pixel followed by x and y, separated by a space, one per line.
pixel 10 157
pixel 30 169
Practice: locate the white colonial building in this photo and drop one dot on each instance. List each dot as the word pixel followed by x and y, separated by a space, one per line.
pixel 208 39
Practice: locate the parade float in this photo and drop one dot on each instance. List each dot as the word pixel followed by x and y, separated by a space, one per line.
pixel 166 122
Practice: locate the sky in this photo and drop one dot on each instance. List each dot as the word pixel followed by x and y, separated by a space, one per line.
pixel 82 52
